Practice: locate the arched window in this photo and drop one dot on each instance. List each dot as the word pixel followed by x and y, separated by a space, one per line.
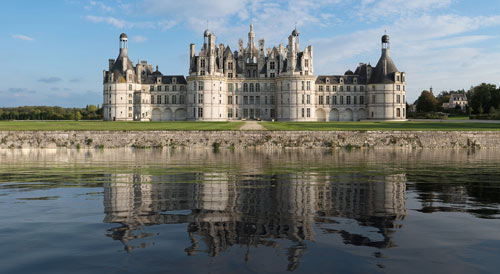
pixel 251 87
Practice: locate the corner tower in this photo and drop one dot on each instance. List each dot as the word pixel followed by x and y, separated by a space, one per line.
pixel 119 84
pixel 386 90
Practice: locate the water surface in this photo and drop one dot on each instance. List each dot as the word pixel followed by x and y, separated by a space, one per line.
pixel 199 211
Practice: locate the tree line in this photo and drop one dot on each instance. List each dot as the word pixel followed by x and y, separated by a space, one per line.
pixel 90 112
pixel 483 102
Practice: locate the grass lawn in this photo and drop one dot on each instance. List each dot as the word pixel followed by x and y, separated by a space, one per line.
pixel 115 126
pixel 380 126
pixel 463 117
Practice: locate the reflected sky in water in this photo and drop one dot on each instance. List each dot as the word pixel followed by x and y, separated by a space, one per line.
pixel 199 211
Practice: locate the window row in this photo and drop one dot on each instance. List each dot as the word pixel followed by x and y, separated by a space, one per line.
pixel 167 99
pixel 341 88
pixel 167 88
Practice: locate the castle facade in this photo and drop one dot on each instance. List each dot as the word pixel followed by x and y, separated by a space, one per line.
pixel 252 82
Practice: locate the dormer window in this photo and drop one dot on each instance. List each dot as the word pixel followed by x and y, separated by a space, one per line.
pixel 174 80
pixel 202 63
pixel 327 80
pixel 355 80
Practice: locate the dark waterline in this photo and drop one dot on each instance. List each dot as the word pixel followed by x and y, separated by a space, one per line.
pixel 196 211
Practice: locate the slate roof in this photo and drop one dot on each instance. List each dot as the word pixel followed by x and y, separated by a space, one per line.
pixel 384 71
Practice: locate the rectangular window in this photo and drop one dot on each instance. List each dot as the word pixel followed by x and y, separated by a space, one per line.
pixel 398 99
pixel 348 100
pixel 236 102
pixel 327 88
pixel 129 87
pixel 361 88
pixel 272 75
pixel 230 100
pixel 334 88
pixel 303 85
pixel 251 100
pixel 158 98
pixel 361 100
pixel 174 99
pixel 200 112
pixel 341 88
pixel 230 75
pixel 348 88
pixel 158 88
pixel 151 88
pixel 327 100
pixel 245 100
pixel 230 87
pixel 320 88
pixel 398 112
pixel 257 87
pixel 306 63
pixel 272 99
pixel 202 63
pixel 245 113
pixel 257 100
pixel 230 66
pixel 334 100
pixel 174 87
pixel 303 99
pixel 152 99
pixel 398 87
pixel 200 85
pixel 230 113
pixel 308 85
pixel 181 99
pixel 271 65
pixel 320 100
pixel 251 87
pixel 308 112
pixel 303 112
pixel 355 100
pixel 166 99
pixel 341 100
pixel 308 99
pixel 273 114
pixel 166 87
pixel 265 100
pixel 245 87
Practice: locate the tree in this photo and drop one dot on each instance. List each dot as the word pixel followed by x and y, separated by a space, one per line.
pixel 426 102
pixel 78 116
pixel 480 97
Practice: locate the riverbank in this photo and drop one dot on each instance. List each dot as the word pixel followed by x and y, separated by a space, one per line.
pixel 246 139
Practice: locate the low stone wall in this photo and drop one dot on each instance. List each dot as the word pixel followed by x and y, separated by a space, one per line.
pixel 242 139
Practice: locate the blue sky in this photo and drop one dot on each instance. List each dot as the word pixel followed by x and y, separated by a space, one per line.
pixel 53 52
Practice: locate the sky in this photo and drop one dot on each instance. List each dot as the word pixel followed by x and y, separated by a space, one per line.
pixel 54 52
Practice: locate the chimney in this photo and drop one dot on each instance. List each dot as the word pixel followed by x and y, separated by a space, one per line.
pixel 192 50
pixel 111 63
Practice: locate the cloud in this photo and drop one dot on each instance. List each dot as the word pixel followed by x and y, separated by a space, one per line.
pixel 23 37
pixel 108 20
pixel 122 24
pixel 99 5
pixel 20 90
pixel 50 80
pixel 139 39
pixel 75 80
pixel 381 9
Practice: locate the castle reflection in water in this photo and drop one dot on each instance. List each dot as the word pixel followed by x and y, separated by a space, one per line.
pixel 222 210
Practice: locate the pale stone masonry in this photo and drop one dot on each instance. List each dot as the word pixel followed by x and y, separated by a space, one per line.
pixel 252 82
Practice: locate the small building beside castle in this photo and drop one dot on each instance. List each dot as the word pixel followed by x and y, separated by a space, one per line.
pixel 252 82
